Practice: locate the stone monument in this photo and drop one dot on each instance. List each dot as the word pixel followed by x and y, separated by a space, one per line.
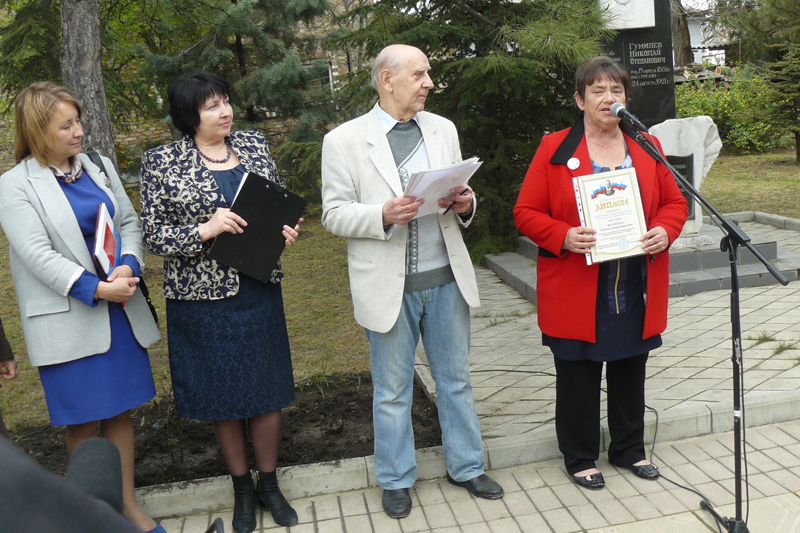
pixel 691 146
pixel 644 45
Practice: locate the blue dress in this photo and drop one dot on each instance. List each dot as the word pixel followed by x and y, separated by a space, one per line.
pixel 230 358
pixel 104 385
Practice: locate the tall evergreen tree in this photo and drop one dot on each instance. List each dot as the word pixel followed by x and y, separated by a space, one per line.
pixel 504 72
pixel 29 44
pixel 254 44
pixel 786 113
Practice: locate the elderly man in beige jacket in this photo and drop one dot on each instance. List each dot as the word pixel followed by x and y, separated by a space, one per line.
pixel 410 276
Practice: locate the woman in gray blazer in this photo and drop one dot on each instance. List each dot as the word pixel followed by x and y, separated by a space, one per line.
pixel 87 334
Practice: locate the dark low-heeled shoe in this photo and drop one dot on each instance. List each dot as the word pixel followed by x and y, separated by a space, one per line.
pixel 591 482
pixel 481 486
pixel 244 504
pixel 396 502
pixel 649 472
pixel 271 498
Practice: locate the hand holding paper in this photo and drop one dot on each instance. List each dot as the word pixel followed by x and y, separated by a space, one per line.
pixel 433 185
pixel 461 202
pixel 579 240
pixel 655 241
pixel 401 210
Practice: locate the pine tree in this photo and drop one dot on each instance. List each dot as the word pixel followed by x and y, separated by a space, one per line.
pixel 786 113
pixel 254 44
pixel 504 72
pixel 29 44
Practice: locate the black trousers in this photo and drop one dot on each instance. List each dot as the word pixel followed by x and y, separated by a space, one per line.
pixel 578 386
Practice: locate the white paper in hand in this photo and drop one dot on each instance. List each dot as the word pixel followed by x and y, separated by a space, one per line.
pixel 436 183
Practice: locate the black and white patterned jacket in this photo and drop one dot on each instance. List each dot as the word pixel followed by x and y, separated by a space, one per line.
pixel 179 193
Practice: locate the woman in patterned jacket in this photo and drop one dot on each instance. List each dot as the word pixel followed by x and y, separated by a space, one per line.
pixel 228 344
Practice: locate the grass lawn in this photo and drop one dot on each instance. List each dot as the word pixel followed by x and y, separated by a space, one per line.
pixel 325 339
pixel 768 182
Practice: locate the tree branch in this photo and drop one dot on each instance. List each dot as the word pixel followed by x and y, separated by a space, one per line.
pixel 478 15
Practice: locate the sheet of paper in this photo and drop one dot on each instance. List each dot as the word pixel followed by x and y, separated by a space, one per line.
pixel 436 183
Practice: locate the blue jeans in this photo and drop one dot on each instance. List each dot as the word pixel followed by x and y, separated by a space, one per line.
pixel 442 317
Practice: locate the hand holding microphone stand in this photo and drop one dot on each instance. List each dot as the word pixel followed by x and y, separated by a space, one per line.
pixel 732 239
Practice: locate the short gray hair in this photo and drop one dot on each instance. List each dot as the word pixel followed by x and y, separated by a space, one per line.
pixel 386 60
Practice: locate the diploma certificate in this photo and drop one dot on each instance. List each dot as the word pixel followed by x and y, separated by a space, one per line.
pixel 610 203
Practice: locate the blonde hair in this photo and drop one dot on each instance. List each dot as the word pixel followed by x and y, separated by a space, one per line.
pixel 33 109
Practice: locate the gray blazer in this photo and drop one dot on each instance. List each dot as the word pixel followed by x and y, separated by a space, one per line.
pixel 48 253
pixel 358 176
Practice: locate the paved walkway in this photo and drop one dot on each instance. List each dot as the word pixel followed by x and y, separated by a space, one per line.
pixel 689 385
pixel 540 499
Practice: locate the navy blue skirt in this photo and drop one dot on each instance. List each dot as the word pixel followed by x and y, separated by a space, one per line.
pixel 230 358
pixel 100 386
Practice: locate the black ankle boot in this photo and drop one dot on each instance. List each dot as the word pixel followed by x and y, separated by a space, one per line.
pixel 244 504
pixel 269 494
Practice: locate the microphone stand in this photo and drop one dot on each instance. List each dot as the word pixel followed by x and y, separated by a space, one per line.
pixel 734 238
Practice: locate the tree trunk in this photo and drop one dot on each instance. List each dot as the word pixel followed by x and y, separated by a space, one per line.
pixel 83 74
pixel 797 147
pixel 681 42
pixel 241 57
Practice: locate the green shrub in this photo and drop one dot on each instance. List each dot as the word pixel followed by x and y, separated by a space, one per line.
pixel 737 107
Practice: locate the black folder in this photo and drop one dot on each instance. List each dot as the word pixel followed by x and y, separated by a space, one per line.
pixel 266 207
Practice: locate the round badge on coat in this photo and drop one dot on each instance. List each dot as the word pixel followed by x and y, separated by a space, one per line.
pixel 573 163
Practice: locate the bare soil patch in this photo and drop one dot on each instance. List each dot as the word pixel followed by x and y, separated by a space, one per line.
pixel 328 421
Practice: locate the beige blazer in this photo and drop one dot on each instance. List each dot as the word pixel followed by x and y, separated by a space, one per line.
pixel 47 253
pixel 359 175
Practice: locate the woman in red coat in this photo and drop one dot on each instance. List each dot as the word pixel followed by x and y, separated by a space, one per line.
pixel 595 314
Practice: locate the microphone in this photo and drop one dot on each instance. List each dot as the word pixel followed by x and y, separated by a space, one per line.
pixel 618 111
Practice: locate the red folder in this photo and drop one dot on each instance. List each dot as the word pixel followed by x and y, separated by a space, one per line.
pixel 107 244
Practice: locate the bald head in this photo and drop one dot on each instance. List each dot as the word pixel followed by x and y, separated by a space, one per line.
pixel 390 59
pixel 400 75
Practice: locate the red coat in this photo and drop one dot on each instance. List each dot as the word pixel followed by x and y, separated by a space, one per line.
pixel 566 286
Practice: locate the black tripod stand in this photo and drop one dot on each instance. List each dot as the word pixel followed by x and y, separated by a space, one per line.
pixel 733 239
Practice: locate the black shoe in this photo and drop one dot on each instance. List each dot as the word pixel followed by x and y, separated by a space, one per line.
pixel 396 502
pixel 270 496
pixel 649 472
pixel 481 486
pixel 591 482
pixel 244 504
